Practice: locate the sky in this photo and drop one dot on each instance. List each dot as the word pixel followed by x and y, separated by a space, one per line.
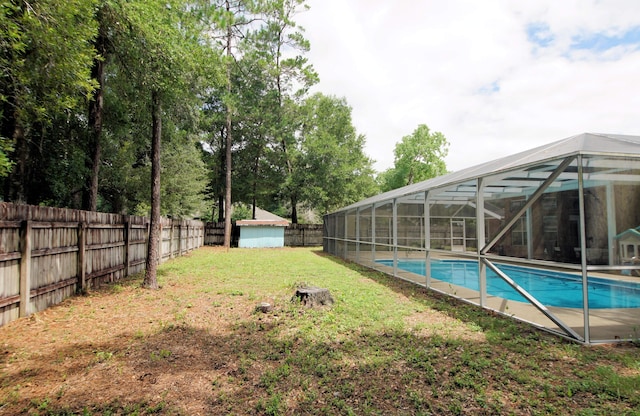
pixel 495 77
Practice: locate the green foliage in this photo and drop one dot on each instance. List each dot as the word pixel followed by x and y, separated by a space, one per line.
pixel 418 157
pixel 278 46
pixel 241 212
pixel 288 149
pixel 103 356
pixel 163 354
pixel 165 38
pixel 331 168
pixel 6 164
pixel 184 179
pixel 45 59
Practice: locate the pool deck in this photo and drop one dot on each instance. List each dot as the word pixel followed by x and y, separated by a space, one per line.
pixel 605 325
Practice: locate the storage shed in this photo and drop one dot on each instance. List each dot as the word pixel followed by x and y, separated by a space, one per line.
pixel 266 230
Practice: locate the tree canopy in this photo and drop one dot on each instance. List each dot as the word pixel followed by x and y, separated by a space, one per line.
pixel 181 106
pixel 418 157
pixel 331 168
pixel 45 55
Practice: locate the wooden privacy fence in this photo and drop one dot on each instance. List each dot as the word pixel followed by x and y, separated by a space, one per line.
pixel 303 235
pixel 48 254
pixel 295 235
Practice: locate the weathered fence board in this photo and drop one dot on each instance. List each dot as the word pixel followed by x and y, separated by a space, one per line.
pixel 303 235
pixel 48 254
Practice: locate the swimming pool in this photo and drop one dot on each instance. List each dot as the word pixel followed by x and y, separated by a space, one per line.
pixel 551 288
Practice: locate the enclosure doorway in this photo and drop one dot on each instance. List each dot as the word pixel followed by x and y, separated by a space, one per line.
pixel 458 235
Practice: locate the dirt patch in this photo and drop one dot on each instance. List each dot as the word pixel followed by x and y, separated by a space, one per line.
pixel 120 347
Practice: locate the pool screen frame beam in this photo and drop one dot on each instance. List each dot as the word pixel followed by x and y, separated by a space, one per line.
pixel 533 301
pixel 480 230
pixel 358 235
pixel 427 238
pixel 373 233
pixel 583 251
pixel 394 235
pixel 534 197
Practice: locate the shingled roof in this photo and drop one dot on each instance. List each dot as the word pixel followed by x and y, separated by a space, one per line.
pixel 264 218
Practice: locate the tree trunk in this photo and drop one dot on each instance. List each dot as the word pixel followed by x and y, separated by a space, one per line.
pixel 96 106
pixel 410 178
pixel 150 276
pixel 8 129
pixel 220 208
pixel 294 210
pixel 256 167
pixel 19 173
pixel 283 141
pixel 227 199
pixel 221 175
pixel 227 196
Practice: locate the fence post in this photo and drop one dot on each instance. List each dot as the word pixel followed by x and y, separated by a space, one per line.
pixel 161 243
pixel 81 287
pixel 25 268
pixel 171 250
pixel 127 244
pixel 147 225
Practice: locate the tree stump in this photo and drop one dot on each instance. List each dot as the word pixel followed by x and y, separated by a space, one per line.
pixel 313 296
pixel 264 307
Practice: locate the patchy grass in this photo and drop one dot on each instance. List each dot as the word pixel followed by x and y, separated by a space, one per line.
pixel 197 346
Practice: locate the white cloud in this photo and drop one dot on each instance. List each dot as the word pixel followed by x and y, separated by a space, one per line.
pixel 475 71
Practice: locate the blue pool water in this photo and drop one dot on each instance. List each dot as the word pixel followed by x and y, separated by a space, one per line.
pixel 548 287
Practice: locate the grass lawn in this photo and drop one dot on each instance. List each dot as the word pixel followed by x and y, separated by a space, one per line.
pixel 386 347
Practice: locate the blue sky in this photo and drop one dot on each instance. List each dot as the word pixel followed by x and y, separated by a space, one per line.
pixel 495 77
pixel 601 42
pixel 539 33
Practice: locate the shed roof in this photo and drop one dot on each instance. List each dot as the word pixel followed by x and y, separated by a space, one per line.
pixel 264 218
pixel 262 223
pixel 582 144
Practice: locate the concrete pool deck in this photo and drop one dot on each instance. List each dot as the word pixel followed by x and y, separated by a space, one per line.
pixel 605 325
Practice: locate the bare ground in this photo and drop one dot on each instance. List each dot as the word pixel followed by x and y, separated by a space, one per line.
pixel 127 350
